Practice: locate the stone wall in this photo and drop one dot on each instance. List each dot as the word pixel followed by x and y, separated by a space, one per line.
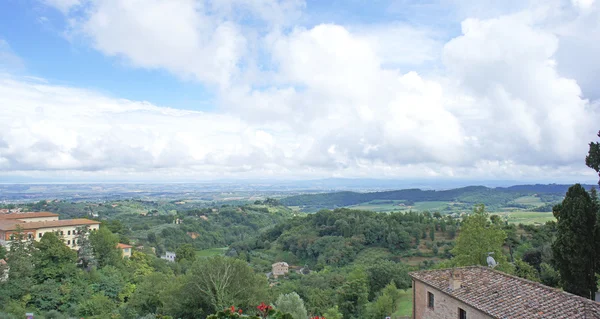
pixel 445 306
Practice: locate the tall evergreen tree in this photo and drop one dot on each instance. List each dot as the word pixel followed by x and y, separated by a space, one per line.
pixel 85 253
pixel 575 249
pixel 592 160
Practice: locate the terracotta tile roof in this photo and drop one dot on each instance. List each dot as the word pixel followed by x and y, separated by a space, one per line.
pixel 504 296
pixel 12 225
pixel 27 215
pixel 123 246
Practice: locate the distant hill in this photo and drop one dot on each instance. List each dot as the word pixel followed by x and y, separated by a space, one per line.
pixel 468 195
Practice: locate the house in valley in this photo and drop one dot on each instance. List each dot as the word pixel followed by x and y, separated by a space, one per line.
pixel 280 269
pixel 125 250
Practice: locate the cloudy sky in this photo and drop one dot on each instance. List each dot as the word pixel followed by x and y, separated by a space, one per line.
pixel 293 89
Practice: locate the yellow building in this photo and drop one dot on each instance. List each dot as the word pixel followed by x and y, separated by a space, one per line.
pixel 35 224
pixel 126 250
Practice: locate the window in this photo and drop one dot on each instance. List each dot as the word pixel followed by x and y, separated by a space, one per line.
pixel 61 233
pixel 69 232
pixel 40 235
pixel 430 300
pixel 29 235
pixel 462 314
pixel 68 242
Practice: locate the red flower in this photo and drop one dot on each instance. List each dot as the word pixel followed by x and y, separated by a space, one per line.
pixel 232 309
pixel 240 311
pixel 264 308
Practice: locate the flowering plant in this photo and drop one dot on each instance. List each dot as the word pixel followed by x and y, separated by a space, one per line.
pixel 264 312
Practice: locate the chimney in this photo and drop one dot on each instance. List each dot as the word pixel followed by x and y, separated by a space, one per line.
pixel 455 281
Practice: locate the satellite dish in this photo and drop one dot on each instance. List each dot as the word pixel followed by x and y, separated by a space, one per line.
pixel 490 260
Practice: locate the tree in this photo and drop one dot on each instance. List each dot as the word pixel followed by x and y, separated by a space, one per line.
pixel 353 294
pixel 85 253
pixel 98 305
pixel 592 160
pixel 576 246
pixel 333 313
pixel 382 272
pixel 386 304
pixel 221 282
pixel 20 261
pixel 53 259
pixel 432 232
pixel 525 270
pixel 147 296
pixel 104 244
pixel 292 304
pixel 185 252
pixel 549 276
pixel 2 252
pixel 477 238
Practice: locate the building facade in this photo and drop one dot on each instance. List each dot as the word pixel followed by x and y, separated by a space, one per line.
pixel 169 256
pixel 483 293
pixel 125 250
pixel 34 225
pixel 280 269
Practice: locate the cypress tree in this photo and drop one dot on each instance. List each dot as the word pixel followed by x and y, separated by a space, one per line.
pixel 575 249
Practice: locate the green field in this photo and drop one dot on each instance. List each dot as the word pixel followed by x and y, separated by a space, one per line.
pixel 526 217
pixel 395 205
pixel 211 252
pixel 430 206
pixel 529 200
pixel 405 304
pixel 380 206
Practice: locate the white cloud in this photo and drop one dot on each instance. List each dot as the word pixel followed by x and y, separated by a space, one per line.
pixel 328 100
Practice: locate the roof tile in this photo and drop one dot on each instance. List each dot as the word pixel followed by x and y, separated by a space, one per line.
pixel 504 296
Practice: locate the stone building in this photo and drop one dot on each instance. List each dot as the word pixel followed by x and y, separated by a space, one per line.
pixel 280 269
pixel 480 293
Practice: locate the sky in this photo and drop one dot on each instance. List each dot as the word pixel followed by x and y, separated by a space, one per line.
pixel 169 90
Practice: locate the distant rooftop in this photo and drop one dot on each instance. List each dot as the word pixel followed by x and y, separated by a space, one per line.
pixel 12 224
pixel 27 215
pixel 504 296
pixel 123 246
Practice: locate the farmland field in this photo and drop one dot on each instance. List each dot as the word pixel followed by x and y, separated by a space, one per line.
pixel 381 206
pixel 529 200
pixel 526 217
pixel 396 205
